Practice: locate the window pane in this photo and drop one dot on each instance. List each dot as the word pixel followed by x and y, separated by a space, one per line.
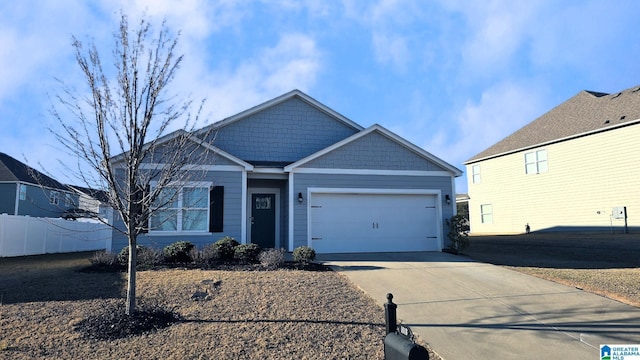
pixel 164 220
pixel 168 198
pixel 530 157
pixel 487 219
pixel 542 166
pixel 193 220
pixel 542 155
pixel 531 168
pixel 195 198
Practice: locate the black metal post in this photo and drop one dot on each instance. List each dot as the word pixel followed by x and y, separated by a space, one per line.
pixel 390 316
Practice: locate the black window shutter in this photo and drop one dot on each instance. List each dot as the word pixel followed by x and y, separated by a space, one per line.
pixel 216 208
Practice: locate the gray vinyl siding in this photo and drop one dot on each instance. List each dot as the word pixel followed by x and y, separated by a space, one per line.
pixel 374 151
pixel 8 198
pixel 232 182
pixel 286 132
pixel 37 203
pixel 304 181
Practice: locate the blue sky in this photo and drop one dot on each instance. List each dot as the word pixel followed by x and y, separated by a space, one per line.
pixel 450 76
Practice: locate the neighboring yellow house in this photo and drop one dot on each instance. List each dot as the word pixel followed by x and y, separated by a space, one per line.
pixel 566 170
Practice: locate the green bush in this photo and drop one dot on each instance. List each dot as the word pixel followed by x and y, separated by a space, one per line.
pixel 104 259
pixel 304 254
pixel 178 252
pixel 247 253
pixel 123 256
pixel 458 234
pixel 204 257
pixel 272 258
pixel 224 249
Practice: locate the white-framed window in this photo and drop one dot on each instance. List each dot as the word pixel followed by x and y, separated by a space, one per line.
pixel 23 192
pixel 486 213
pixel 68 200
pixel 184 208
pixel 536 162
pixel 475 172
pixel 54 197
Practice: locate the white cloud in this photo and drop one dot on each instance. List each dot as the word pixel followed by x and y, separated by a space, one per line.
pixel 501 110
pixel 391 49
pixel 294 62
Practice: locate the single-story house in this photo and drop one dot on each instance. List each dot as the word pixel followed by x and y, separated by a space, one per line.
pixel 573 168
pixel 27 191
pixel 292 172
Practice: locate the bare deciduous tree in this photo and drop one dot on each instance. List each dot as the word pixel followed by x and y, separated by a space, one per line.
pixel 118 130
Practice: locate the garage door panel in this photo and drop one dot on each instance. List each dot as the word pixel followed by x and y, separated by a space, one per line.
pixel 373 222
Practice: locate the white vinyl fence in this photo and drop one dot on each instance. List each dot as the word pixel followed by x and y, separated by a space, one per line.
pixel 24 235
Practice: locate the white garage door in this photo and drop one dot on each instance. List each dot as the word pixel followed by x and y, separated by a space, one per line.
pixel 373 222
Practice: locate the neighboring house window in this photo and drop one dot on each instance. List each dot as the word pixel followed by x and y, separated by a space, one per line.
pixel 475 169
pixel 68 200
pixel 486 213
pixel 182 209
pixel 54 197
pixel 23 192
pixel 536 162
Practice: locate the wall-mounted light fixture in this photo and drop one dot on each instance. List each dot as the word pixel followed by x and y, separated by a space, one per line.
pixel 300 199
pixel 447 198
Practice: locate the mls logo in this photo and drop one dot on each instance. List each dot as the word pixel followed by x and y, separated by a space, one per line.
pixel 605 352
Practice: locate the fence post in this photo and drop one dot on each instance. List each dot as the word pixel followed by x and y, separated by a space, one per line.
pixel 390 317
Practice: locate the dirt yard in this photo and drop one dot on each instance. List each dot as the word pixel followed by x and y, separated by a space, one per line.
pixel 283 314
pixel 602 263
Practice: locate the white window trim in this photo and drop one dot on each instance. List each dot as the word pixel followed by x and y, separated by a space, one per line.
pixel 179 208
pixel 537 161
pixel 475 174
pixel 54 197
pixel 483 214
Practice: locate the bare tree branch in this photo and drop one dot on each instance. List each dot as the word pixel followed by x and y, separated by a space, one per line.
pixel 118 130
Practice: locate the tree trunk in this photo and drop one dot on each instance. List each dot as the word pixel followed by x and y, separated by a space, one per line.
pixel 131 281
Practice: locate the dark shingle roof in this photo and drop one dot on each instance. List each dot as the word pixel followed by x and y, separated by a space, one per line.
pixel 14 170
pixel 586 112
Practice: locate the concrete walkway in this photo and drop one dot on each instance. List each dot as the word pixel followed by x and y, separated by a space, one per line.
pixel 471 310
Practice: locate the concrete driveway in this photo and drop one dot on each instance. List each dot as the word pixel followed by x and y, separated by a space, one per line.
pixel 470 310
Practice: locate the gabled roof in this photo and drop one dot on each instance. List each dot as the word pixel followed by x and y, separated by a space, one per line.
pixel 278 100
pixel 180 132
pixel 12 170
pixel 381 130
pixel 99 195
pixel 586 113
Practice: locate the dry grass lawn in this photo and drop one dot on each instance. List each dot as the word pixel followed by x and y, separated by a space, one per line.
pixel 283 314
pixel 601 263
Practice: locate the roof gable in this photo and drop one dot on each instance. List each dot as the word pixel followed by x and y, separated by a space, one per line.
pixel 585 113
pixel 281 131
pixel 221 156
pixel 14 170
pixel 375 148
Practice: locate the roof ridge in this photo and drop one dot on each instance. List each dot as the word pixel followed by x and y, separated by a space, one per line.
pixel 585 112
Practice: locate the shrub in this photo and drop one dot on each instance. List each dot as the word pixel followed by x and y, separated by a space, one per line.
pixel 149 257
pixel 205 256
pixel 272 258
pixel 247 253
pixel 178 252
pixel 224 249
pixel 458 234
pixel 304 254
pixel 104 259
pixel 123 256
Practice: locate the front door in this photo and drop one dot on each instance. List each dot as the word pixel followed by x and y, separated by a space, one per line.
pixel 263 220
